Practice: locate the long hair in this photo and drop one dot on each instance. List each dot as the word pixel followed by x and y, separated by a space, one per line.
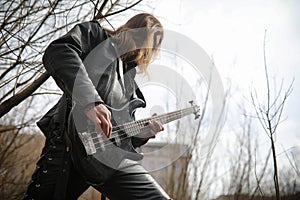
pixel 140 38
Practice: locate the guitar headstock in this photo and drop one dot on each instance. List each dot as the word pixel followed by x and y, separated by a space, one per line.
pixel 196 109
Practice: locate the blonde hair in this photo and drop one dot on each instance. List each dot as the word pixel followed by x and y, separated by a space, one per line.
pixel 140 38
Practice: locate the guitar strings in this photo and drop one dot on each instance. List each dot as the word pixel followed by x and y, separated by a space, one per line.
pixel 135 127
pixel 108 142
pixel 144 129
pixel 155 117
pixel 141 123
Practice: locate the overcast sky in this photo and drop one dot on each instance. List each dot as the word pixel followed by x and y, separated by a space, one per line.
pixel 233 33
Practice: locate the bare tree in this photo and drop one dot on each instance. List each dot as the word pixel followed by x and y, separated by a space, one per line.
pixel 18 152
pixel 202 166
pixel 27 27
pixel 241 160
pixel 270 114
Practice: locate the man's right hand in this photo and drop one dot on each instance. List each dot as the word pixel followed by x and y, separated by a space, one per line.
pixel 100 116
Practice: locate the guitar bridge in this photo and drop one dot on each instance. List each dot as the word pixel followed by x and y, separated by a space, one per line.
pixel 87 142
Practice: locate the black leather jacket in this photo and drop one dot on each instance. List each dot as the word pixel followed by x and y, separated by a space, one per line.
pixel 70 60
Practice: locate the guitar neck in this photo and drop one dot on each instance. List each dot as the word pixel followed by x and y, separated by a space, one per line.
pixel 133 128
pixel 172 116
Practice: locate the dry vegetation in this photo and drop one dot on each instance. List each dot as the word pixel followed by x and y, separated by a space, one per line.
pixel 245 171
pixel 19 154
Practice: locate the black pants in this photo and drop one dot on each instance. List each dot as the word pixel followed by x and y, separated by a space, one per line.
pixel 132 182
pixel 56 178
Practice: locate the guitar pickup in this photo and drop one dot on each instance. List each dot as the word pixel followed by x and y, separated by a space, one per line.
pixel 87 142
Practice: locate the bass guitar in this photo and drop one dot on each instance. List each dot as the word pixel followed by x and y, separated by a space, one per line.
pixel 103 154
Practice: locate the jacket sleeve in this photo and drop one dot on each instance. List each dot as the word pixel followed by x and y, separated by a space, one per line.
pixel 63 61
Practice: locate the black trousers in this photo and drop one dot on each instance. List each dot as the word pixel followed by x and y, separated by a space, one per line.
pixel 56 178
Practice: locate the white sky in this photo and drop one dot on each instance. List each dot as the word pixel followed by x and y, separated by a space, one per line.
pixel 232 32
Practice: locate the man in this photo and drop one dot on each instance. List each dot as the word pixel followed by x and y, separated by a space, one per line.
pixel 95 68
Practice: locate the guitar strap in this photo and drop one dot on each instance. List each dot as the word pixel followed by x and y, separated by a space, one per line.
pixel 139 93
pixel 120 74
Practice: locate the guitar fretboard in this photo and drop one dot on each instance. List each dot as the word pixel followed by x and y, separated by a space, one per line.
pixel 134 128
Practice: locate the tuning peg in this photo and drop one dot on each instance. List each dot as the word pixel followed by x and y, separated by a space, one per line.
pixel 196 109
pixel 196 115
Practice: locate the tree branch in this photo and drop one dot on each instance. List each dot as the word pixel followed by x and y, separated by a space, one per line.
pixel 7 105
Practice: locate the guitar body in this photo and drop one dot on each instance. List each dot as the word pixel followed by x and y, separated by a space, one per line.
pixel 96 157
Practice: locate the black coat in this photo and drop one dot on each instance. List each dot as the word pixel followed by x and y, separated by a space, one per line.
pixel 70 60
